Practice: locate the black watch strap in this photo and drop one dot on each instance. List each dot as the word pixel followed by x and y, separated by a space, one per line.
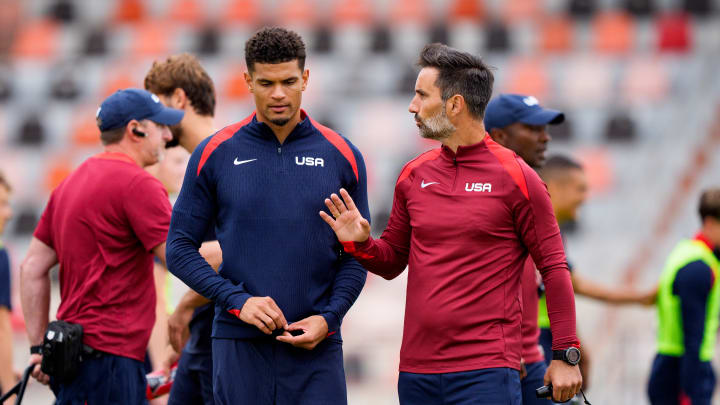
pixel 36 349
pixel 571 355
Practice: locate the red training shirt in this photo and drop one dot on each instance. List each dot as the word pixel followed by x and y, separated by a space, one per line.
pixel 531 352
pixel 103 221
pixel 465 222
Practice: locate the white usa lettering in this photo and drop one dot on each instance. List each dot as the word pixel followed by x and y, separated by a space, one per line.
pixel 308 161
pixel 479 187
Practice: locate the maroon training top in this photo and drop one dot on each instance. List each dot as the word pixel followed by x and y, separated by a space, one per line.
pixel 531 352
pixel 102 222
pixel 465 222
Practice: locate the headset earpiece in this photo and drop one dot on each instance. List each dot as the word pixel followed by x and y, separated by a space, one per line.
pixel 138 133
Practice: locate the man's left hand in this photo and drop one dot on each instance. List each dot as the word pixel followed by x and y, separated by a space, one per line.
pixel 314 329
pixel 566 380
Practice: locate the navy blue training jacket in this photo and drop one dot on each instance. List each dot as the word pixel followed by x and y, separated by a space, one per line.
pixel 264 198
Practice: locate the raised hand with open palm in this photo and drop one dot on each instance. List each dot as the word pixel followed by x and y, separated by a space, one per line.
pixel 346 220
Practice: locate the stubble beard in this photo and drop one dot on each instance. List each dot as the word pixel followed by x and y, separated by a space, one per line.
pixel 438 127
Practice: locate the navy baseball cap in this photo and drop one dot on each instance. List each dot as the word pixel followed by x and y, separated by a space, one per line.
pixel 508 109
pixel 134 104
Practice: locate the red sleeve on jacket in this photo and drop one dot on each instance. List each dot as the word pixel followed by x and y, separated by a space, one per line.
pixel 388 256
pixel 537 226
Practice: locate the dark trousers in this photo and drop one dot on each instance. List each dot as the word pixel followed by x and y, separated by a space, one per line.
pixel 491 386
pixel 104 380
pixel 268 372
pixel 545 342
pixel 193 380
pixel 532 381
pixel 664 387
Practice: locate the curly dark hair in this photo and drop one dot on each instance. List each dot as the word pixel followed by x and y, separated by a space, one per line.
pixel 460 73
pixel 274 45
pixel 183 71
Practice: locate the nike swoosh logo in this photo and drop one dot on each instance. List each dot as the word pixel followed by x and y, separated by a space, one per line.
pixel 423 184
pixel 239 162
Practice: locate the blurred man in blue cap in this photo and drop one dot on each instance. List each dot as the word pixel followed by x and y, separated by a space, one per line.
pixel 103 225
pixel 519 123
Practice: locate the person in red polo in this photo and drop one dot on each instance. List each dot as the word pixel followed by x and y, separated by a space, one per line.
pixel 102 225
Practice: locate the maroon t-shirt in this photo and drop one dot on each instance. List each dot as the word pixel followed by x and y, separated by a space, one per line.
pixel 465 223
pixel 103 221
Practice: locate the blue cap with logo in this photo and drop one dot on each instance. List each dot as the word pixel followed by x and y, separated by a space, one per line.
pixel 134 104
pixel 508 109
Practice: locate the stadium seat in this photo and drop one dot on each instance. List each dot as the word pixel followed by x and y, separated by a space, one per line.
pixel 409 11
pixel 324 39
pixel 556 34
pixel 517 11
pixel 64 88
pixel 117 81
pixel 235 86
pixel 244 12
pixel 562 132
pixel 57 171
pixel 673 32
pixel 613 32
pixel 26 218
pixel 62 11
pixel 471 10
pixel 151 39
pixel 352 12
pixel 129 11
pixel 527 75
pixel 586 80
pixel 698 8
pixel 620 127
pixel 640 8
pixel 294 13
pixel 95 42
pixel 208 40
pixel 439 33
pixel 85 132
pixel 6 88
pixel 36 39
pixel 582 8
pixel 31 131
pixel 381 41
pixel 645 80
pixel 187 12
pixel 497 37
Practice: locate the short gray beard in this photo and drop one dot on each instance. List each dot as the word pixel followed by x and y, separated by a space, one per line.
pixel 437 127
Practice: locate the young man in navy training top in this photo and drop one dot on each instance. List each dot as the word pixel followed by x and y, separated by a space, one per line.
pixel 464 218
pixel 181 82
pixel 103 224
pixel 688 303
pixel 284 285
pixel 7 375
pixel 520 123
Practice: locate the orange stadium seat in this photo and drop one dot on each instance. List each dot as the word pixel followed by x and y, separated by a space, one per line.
pixel 466 10
pixel 613 32
pixel 151 39
pixel 85 132
pixel 186 12
pixel 37 39
pixel 57 171
pixel 235 85
pixel 521 10
pixel 297 13
pixel 556 34
pixel 352 12
pixel 129 11
pixel 116 82
pixel 409 11
pixel 673 32
pixel 244 12
pixel 527 75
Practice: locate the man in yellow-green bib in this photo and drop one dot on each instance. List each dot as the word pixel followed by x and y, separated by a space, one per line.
pixel 688 303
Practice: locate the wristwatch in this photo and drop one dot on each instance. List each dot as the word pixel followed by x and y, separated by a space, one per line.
pixel 36 349
pixel 571 355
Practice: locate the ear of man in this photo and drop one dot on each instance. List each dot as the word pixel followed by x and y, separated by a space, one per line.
pixel 179 99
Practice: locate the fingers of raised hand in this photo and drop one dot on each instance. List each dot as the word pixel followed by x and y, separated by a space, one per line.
pixel 332 208
pixel 339 204
pixel 347 199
